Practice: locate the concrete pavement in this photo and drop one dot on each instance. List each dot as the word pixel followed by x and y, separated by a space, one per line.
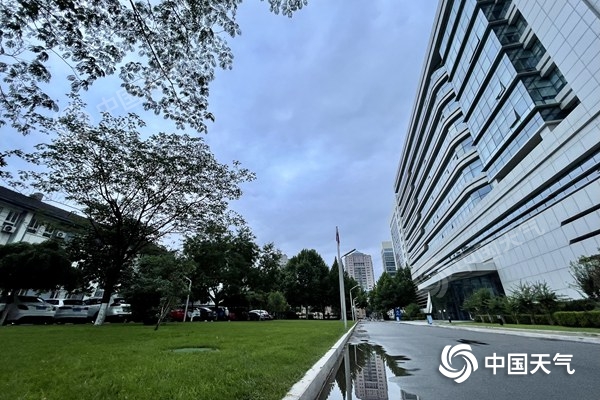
pixel 584 337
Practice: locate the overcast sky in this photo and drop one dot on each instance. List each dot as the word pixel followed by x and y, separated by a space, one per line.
pixel 317 106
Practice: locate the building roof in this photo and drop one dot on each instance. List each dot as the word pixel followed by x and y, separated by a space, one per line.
pixel 35 205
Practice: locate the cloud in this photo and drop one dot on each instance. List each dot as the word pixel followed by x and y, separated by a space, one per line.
pixel 317 106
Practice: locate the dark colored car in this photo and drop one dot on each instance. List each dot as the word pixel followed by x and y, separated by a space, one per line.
pixel 259 315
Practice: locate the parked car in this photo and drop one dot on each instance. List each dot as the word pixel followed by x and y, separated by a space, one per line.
pixel 222 313
pixel 118 309
pixel 193 314
pixel 27 309
pixel 259 315
pixel 69 310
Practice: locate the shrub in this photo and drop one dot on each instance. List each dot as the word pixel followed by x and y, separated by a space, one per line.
pixel 544 319
pixel 578 318
pixel 577 305
pixel 411 310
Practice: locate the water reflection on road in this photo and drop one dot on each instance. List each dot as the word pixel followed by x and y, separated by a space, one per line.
pixel 367 372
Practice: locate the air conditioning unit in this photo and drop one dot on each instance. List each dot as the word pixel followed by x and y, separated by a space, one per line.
pixel 8 228
pixel 60 235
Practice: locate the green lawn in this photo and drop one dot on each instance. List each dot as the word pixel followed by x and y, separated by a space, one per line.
pixel 591 331
pixel 254 360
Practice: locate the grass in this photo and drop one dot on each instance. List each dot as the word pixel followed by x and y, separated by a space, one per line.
pixel 254 360
pixel 536 327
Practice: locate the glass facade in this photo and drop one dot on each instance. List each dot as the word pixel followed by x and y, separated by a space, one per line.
pixel 490 94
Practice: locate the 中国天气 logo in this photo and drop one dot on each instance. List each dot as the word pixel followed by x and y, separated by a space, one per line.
pixel 459 375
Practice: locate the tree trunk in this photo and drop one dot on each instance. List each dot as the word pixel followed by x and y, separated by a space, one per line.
pixel 104 306
pixel 4 313
pixel 164 310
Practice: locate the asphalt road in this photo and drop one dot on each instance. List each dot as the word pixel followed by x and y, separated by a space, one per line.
pixel 420 349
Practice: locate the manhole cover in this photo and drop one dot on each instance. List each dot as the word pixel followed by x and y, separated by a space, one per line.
pixel 193 350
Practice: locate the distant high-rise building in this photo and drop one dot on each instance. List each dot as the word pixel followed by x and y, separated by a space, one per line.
pixel 283 260
pixel 360 267
pixel 387 257
pixel 371 380
pixel 498 182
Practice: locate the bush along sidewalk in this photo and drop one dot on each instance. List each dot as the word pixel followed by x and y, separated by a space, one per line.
pixel 532 304
pixel 582 319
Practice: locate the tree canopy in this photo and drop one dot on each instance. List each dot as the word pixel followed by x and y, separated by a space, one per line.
pixel 306 280
pixel 333 289
pixel 223 260
pixel 586 272
pixel 133 191
pixel 43 266
pixel 396 291
pixel 157 284
pixel 165 53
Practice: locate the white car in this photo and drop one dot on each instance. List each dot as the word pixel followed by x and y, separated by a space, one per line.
pixel 27 309
pixel 118 309
pixel 69 310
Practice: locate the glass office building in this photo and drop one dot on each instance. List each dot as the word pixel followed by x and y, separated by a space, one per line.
pixel 498 181
pixel 388 259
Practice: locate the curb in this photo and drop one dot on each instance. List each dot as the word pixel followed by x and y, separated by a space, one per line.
pixel 309 387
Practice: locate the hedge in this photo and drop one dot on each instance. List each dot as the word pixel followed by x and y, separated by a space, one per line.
pixel 583 319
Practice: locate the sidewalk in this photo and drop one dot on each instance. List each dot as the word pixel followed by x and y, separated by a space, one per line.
pixel 584 337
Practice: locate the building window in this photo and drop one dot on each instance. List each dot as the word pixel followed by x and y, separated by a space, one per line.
pixel 502 90
pixel 516 119
pixel 49 230
pixel 33 226
pixel 11 218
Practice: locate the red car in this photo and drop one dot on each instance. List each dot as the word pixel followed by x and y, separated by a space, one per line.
pixel 193 314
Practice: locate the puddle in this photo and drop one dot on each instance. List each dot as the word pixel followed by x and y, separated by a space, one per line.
pixel 193 350
pixel 367 372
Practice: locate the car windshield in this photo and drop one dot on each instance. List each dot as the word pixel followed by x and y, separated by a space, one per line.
pixel 72 302
pixel 30 299
pixel 52 301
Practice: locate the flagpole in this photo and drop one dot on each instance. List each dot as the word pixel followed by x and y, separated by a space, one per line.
pixel 341 277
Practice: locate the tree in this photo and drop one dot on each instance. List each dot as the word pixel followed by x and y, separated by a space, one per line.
pixel 586 271
pixel 524 295
pixel 224 260
pixel 384 296
pixel 512 307
pixel 412 310
pixel 477 302
pixel 165 53
pixel 277 303
pixel 134 191
pixel 406 290
pixel 43 266
pixel 267 274
pixel 306 280
pixel 546 299
pixel 391 292
pixel 157 284
pixel 333 288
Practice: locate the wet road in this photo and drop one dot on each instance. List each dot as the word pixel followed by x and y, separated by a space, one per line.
pixel 412 357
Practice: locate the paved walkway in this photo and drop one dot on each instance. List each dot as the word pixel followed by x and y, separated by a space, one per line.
pixel 585 337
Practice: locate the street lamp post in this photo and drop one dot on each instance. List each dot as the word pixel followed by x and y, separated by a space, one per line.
pixel 187 301
pixel 342 290
pixel 352 303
